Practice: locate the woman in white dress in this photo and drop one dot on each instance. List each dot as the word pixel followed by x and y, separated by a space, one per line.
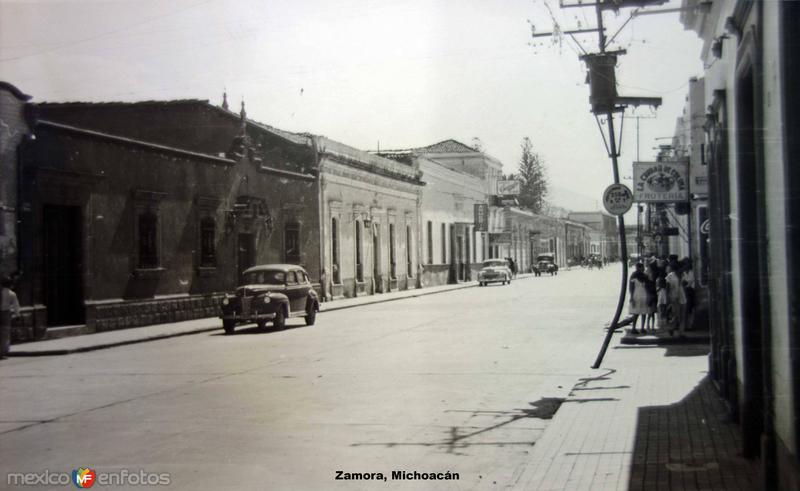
pixel 640 298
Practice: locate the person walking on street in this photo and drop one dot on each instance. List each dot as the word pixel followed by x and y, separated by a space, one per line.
pixel 677 298
pixel 9 310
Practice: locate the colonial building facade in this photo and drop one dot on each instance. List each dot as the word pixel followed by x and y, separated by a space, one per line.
pixel 118 231
pixel 604 235
pixel 457 177
pixel 139 213
pixel 370 225
pixel 752 69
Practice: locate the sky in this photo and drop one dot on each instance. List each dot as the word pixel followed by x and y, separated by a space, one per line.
pixel 388 74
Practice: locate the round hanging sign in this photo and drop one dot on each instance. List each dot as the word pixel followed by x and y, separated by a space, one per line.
pixel 617 199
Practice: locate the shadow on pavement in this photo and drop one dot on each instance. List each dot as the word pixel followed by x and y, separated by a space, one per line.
pixel 691 444
pixel 671 349
pixel 459 437
pixel 687 350
pixel 254 329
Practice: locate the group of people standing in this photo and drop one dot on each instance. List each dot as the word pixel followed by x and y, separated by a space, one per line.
pixel 662 295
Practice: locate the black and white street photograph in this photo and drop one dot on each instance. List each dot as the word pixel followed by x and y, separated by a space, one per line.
pixel 533 245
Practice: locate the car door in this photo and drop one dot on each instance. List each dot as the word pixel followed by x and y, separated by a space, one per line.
pixel 295 290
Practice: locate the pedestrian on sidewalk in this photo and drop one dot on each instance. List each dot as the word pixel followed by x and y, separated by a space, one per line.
pixel 662 304
pixel 512 266
pixel 640 297
pixel 677 298
pixel 652 275
pixel 687 280
pixel 9 309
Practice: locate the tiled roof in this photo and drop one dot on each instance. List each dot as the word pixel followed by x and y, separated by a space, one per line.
pixel 297 138
pixel 446 146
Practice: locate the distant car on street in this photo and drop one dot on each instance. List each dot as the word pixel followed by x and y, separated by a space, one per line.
pixel 494 271
pixel 270 292
pixel 546 263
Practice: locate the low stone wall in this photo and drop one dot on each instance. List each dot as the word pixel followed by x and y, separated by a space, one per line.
pixel 30 324
pixel 133 313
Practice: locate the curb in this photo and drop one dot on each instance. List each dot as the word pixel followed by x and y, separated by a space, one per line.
pixel 84 349
pixel 421 293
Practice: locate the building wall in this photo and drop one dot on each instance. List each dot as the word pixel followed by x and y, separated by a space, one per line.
pixel 448 199
pixel 14 128
pixel 370 194
pixel 774 163
pixel 757 28
pixel 109 182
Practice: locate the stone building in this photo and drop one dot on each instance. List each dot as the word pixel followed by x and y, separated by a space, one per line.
pixel 140 213
pixel 15 127
pixel 752 69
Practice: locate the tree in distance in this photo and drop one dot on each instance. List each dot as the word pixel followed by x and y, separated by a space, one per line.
pixel 533 176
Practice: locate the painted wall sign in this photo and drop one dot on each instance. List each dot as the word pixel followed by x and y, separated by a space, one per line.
pixel 660 182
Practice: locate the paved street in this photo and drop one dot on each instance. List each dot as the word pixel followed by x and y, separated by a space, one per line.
pixel 458 381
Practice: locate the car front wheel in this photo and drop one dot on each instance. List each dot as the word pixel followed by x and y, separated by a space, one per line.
pixel 228 325
pixel 311 317
pixel 279 322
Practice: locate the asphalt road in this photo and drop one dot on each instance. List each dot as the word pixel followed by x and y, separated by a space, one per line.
pixel 463 381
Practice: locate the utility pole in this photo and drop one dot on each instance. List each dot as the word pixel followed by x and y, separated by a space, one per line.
pixel 606 103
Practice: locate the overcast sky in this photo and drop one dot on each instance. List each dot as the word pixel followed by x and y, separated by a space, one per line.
pixel 399 73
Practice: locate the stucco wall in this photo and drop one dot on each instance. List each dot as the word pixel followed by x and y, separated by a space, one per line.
pixel 356 197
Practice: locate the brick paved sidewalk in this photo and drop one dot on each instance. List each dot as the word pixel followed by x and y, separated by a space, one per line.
pixel 648 420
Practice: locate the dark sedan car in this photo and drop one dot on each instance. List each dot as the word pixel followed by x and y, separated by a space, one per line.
pixel 546 263
pixel 270 292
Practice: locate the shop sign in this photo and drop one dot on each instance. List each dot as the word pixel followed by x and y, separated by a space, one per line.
pixel 660 182
pixel 499 238
pixel 510 187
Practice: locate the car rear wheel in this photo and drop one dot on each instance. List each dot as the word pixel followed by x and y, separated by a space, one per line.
pixel 311 316
pixel 228 325
pixel 279 322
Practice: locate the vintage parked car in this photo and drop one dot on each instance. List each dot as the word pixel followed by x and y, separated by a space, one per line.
pixel 494 271
pixel 546 263
pixel 270 292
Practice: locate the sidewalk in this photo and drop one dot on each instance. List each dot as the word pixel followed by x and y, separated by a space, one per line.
pixel 648 419
pixel 121 337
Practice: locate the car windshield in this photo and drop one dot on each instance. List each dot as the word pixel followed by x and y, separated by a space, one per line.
pixel 269 277
pixel 544 258
pixel 497 263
